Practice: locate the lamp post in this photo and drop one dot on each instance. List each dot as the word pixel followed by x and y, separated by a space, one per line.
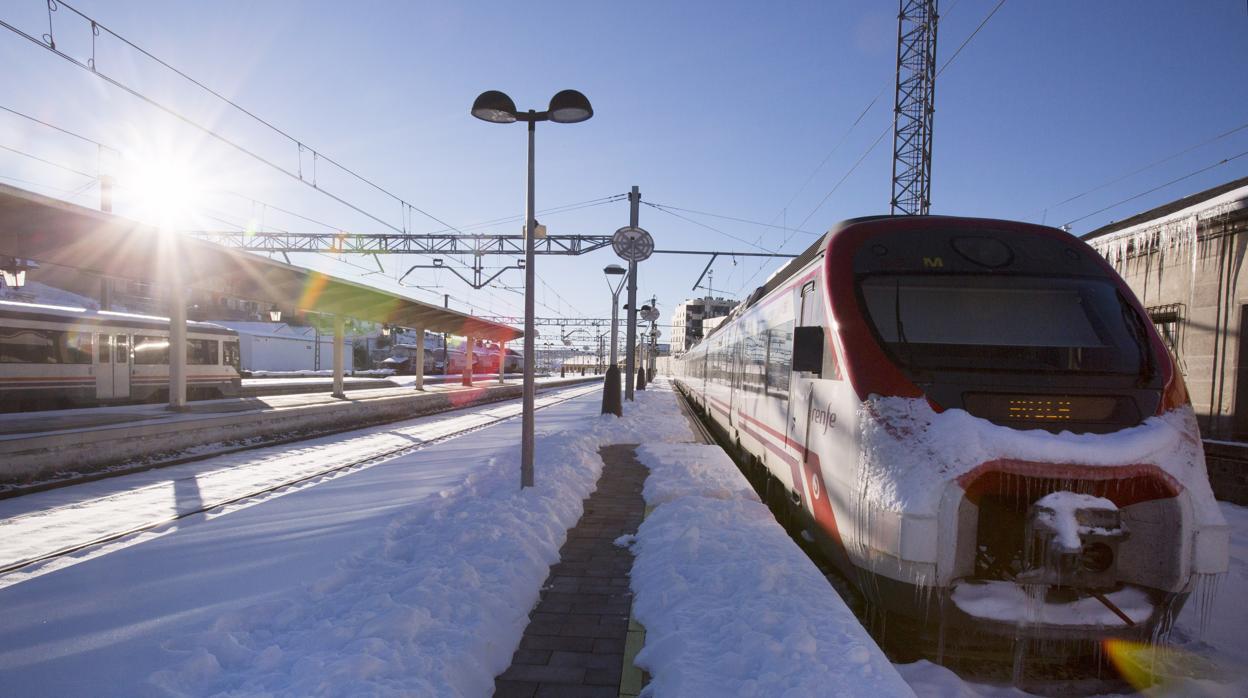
pixel 611 403
pixel 615 270
pixel 566 107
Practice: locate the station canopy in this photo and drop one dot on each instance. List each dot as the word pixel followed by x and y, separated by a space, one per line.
pixel 56 232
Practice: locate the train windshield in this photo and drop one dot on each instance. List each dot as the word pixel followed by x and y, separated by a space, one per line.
pixel 1007 323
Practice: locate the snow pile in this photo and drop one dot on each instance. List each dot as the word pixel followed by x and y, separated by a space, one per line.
pixel 1007 601
pixel 910 452
pixel 730 604
pixel 436 608
pixel 439 604
pixel 691 470
pixel 1058 511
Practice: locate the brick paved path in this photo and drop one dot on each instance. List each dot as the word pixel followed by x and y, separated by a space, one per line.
pixel 574 645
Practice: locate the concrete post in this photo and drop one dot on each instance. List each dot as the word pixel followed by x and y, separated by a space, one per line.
pixel 502 360
pixel 468 342
pixel 177 346
pixel 339 337
pixel 420 358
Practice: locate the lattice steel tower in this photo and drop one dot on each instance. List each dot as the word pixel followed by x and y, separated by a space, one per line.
pixel 914 107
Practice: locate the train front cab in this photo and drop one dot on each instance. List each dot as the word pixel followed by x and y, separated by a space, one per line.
pixel 1008 335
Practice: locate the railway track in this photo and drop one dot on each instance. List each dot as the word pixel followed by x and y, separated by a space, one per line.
pixel 371 459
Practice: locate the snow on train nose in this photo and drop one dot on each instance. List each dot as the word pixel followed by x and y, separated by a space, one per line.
pixel 1072 539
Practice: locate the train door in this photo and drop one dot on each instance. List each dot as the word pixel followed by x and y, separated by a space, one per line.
pixel 810 420
pixel 103 366
pixel 121 366
pixel 112 366
pixel 801 382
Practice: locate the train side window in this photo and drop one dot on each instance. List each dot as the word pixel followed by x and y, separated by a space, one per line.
pixel 779 359
pixel 808 349
pixel 103 349
pixel 229 354
pixel 151 350
pixel 20 345
pixel 78 347
pixel 201 352
pixel 122 351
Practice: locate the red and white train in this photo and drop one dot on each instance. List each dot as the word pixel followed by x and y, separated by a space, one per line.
pixel 57 356
pixel 978 423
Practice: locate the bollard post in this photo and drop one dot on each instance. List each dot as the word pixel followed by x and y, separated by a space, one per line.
pixel 641 378
pixel 611 402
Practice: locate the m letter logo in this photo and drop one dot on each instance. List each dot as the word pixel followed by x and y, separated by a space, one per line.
pixel 930 262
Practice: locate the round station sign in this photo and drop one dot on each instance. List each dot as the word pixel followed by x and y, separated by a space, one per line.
pixel 632 244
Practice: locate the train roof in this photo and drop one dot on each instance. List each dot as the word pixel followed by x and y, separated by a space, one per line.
pixel 69 313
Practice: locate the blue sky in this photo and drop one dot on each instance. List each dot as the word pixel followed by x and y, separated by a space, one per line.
pixel 721 107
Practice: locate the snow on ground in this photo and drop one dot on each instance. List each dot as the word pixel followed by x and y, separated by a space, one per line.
pixel 413 576
pixel 42 523
pixel 731 606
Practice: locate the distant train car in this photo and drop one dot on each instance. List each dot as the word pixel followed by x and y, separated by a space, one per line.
pixel 55 357
pixel 979 425
pixel 484 360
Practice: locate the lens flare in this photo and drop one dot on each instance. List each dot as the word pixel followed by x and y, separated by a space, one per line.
pixel 1161 670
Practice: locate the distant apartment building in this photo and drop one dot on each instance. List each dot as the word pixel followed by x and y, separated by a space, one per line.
pixel 688 317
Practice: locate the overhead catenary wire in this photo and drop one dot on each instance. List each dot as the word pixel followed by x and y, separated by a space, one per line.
pixel 704 225
pixel 730 218
pixel 1144 168
pixel 1159 187
pixel 57 165
pixel 50 45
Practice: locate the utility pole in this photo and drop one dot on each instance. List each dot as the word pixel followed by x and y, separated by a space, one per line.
pixel 630 336
pixel 913 108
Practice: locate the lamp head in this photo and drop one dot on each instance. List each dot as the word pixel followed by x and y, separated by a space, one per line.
pixel 275 313
pixel 13 271
pixel 495 107
pixel 613 269
pixel 569 107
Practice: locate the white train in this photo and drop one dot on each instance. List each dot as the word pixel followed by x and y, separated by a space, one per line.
pixel 57 356
pixel 978 423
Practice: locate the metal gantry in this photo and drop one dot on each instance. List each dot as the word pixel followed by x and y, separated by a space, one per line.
pixel 398 243
pixel 476 274
pixel 914 107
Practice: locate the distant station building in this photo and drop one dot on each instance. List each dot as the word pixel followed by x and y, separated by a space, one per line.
pixel 688 318
pixel 1187 261
pixel 280 347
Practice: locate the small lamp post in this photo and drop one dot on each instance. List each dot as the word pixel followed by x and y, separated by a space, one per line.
pixel 566 107
pixel 612 403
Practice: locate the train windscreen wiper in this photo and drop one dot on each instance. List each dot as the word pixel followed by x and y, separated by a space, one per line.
pixel 901 327
pixel 1139 335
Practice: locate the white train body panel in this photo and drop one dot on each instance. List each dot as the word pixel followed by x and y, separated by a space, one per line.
pixel 905 472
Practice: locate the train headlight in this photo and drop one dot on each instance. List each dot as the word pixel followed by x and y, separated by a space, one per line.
pixel 1096 557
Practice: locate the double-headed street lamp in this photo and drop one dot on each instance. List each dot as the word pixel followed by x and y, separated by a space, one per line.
pixel 566 107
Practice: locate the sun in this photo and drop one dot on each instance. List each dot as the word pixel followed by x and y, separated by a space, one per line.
pixel 164 189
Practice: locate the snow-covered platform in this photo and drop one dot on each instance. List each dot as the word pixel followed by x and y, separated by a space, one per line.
pixel 416 574
pixel 43 445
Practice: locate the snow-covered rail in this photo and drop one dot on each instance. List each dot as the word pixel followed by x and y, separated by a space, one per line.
pixel 40 534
